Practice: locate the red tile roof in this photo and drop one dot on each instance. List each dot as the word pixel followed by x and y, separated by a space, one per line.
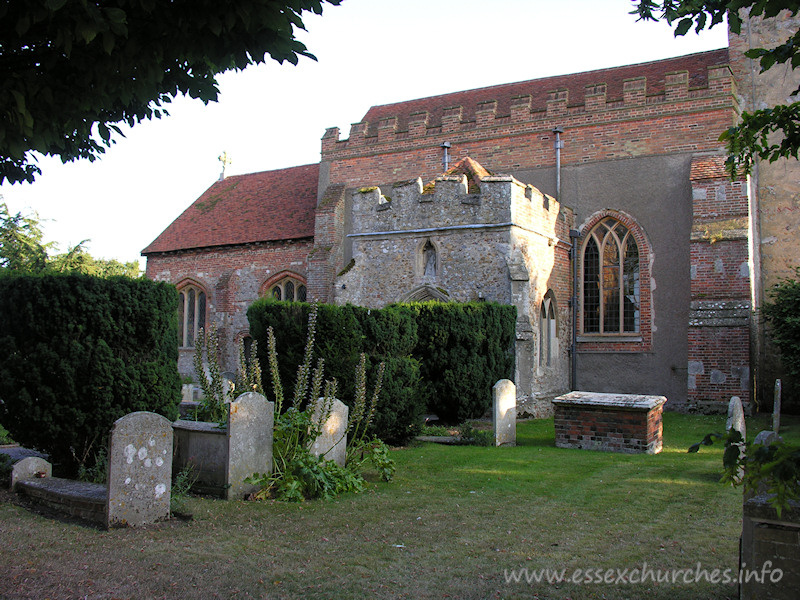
pixel 695 64
pixel 466 166
pixel 708 167
pixel 259 207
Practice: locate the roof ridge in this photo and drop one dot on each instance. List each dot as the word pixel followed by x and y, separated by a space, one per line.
pixel 559 76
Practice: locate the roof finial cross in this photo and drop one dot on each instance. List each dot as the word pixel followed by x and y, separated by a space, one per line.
pixel 225 160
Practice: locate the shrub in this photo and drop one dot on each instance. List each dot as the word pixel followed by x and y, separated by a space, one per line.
pixel 80 352
pixel 343 334
pixel 445 356
pixel 463 349
pixel 783 314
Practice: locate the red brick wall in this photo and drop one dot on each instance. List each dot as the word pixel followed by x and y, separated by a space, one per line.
pixel 608 429
pixel 719 359
pixel 666 123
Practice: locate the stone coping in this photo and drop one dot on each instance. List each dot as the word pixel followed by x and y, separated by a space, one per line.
pixel 632 402
pixel 759 508
pixel 68 488
pixel 200 426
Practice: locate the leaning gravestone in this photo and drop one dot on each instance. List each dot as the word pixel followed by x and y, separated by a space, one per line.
pixel 331 443
pixel 736 417
pixel 504 414
pixel 250 427
pixel 139 470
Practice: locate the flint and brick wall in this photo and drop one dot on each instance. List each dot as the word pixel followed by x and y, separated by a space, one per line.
pixel 232 278
pixel 719 325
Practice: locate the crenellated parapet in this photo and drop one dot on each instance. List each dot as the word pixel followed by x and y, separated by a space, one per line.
pixel 448 204
pixel 578 102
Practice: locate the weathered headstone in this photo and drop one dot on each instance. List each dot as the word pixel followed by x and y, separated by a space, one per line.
pixel 504 415
pixel 331 443
pixel 736 417
pixel 139 470
pixel 776 407
pixel 767 438
pixel 250 427
pixel 30 468
pixel 187 392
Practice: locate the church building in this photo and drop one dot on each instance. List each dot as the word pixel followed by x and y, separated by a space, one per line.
pixel 597 203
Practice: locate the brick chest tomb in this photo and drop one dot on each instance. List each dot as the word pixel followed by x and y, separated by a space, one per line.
pixel 628 423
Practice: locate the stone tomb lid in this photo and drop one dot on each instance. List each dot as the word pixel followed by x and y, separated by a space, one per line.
pixel 202 426
pixel 69 488
pixel 611 401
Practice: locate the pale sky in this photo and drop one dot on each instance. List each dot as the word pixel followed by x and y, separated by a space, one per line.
pixel 370 52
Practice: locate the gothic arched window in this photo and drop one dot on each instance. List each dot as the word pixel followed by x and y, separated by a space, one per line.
pixel 547 332
pixel 611 280
pixel 288 289
pixel 191 314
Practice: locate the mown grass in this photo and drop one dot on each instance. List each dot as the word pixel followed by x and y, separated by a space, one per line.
pixel 451 524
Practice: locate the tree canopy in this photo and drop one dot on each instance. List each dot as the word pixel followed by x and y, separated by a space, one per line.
pixel 72 70
pixel 23 253
pixel 753 136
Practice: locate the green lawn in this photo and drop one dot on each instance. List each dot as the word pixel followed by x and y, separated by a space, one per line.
pixel 453 523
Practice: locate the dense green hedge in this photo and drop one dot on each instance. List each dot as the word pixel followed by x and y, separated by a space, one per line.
pixel 464 350
pixel 443 358
pixel 79 352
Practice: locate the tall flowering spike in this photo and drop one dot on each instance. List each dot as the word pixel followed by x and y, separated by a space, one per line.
pixel 277 388
pixel 373 404
pixel 360 400
pixel 304 370
pixel 255 370
pixel 316 381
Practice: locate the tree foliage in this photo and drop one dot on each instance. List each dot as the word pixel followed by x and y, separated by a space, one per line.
pixel 21 248
pixel 755 136
pixel 783 315
pixel 72 70
pixel 23 253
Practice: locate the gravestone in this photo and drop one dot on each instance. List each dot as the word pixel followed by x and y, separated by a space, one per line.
pixel 139 470
pixel 736 421
pixel 736 417
pixel 776 407
pixel 250 428
pixel 30 467
pixel 767 438
pixel 504 414
pixel 331 443
pixel 187 392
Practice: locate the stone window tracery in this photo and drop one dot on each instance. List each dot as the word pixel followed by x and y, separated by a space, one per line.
pixel 288 289
pixel 611 280
pixel 191 314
